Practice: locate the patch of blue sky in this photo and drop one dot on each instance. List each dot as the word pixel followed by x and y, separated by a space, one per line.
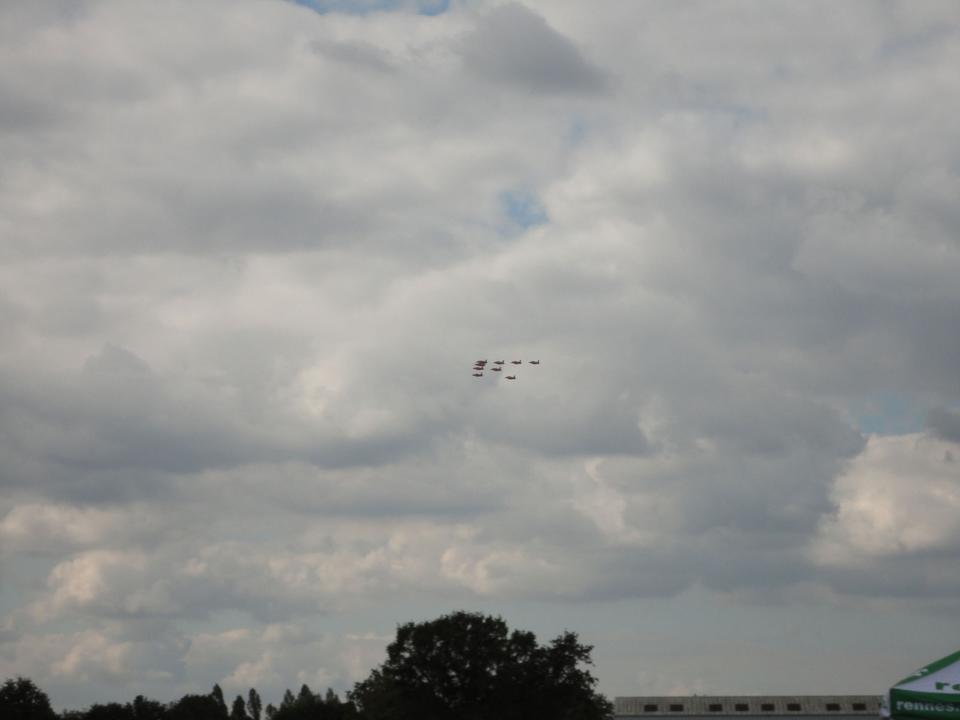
pixel 889 414
pixel 522 208
pixel 364 7
pixel 433 7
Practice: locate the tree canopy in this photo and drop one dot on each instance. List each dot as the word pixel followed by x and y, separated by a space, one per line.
pixel 468 666
pixel 462 666
pixel 196 707
pixel 21 699
pixel 311 706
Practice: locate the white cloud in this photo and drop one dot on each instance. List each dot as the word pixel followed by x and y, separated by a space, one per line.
pixel 280 656
pixel 45 528
pixel 250 252
pixel 95 656
pixel 899 498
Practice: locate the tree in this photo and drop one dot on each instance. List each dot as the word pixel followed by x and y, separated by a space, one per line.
pixel 217 694
pixel 253 704
pixel 335 709
pixel 239 709
pixel 467 666
pixel 310 706
pixel 109 711
pixel 21 699
pixel 194 707
pixel 146 709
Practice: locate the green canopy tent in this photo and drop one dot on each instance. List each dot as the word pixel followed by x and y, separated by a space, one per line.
pixel 931 692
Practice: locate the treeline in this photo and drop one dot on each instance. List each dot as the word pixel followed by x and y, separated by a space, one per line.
pixel 21 699
pixel 462 666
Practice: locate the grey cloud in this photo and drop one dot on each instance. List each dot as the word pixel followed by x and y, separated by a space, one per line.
pixel 720 561
pixel 927 579
pixel 408 488
pixel 358 55
pixel 119 427
pixel 117 414
pixel 580 419
pixel 944 423
pixel 278 250
pixel 515 47
pixel 12 316
pixel 46 14
pixel 121 195
pixel 19 111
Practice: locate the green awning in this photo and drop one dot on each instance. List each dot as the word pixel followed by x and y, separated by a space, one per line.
pixel 931 692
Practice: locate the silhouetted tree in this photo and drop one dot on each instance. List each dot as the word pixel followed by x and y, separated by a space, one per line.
pixel 467 666
pixel 146 709
pixel 217 694
pixel 253 704
pixel 21 699
pixel 310 706
pixel 109 711
pixel 239 709
pixel 271 711
pixel 336 709
pixel 194 707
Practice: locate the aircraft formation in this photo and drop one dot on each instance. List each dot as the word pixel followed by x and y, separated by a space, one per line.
pixel 480 367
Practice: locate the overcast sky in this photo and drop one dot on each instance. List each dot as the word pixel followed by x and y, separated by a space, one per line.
pixel 250 249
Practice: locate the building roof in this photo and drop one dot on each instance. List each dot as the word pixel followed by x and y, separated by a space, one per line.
pixel 838 707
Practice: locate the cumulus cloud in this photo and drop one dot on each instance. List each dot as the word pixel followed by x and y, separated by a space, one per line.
pixel 52 529
pixel 245 276
pixel 898 498
pixel 515 47
pixel 109 658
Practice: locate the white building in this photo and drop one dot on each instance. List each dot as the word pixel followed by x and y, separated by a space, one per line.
pixel 778 707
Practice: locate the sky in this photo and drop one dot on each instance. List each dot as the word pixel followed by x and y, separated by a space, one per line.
pixel 250 250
